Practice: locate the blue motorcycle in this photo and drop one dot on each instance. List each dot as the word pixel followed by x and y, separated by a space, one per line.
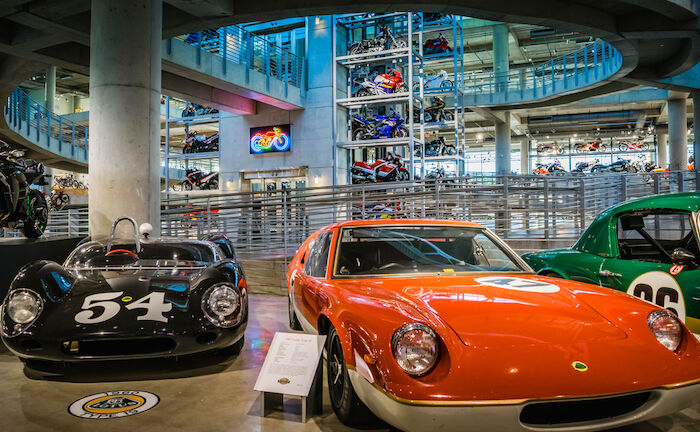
pixel 381 126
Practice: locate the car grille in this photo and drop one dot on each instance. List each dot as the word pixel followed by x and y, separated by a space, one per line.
pixel 579 411
pixel 118 347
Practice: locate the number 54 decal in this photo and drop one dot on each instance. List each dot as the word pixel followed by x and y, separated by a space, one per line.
pixel 660 289
pixel 154 303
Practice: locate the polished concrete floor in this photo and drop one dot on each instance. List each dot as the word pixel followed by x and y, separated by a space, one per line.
pixel 207 393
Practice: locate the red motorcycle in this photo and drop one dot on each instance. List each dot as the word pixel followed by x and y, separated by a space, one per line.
pixel 591 146
pixel 436 46
pixel 633 145
pixel 388 169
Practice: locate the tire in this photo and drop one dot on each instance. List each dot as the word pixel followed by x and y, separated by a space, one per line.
pixel 37 214
pixel 359 135
pixel 645 147
pixel 294 323
pixel 602 148
pixel 403 88
pixel 448 116
pixel 363 92
pixel 447 83
pixel 402 176
pixel 213 184
pixel 623 147
pixel 632 169
pixel 235 348
pixel 399 43
pixel 401 132
pixel 186 186
pixel 348 407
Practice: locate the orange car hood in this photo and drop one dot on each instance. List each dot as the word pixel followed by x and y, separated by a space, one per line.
pixel 483 311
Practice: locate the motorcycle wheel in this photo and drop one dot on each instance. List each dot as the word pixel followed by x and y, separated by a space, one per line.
pixel 632 169
pixel 186 186
pixel 402 176
pixel 363 92
pixel 359 135
pixel 645 147
pixel 37 214
pixel 623 147
pixel 602 148
pixel 448 116
pixel 185 150
pixel 213 184
pixel 401 132
pixel 402 88
pixel 447 83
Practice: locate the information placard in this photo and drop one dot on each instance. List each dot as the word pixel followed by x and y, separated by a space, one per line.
pixel 290 364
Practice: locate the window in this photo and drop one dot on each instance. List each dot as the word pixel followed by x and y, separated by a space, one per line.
pixel 392 250
pixel 316 261
pixel 653 235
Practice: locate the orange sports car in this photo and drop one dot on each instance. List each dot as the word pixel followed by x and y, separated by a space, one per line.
pixel 439 326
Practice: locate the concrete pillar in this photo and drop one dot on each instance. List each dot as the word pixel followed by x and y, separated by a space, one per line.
pixel 677 134
pixel 696 132
pixel 124 148
pixel 50 87
pixel 524 157
pixel 503 146
pixel 662 147
pixel 501 56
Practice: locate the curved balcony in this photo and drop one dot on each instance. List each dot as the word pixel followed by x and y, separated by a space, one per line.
pixel 575 71
pixel 54 137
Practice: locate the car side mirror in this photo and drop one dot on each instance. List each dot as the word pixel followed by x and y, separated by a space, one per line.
pixel 681 256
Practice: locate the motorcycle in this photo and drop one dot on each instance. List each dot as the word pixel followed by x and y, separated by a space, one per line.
pixel 68 181
pixel 435 113
pixel 19 204
pixel 388 169
pixel 634 145
pixel 438 45
pixel 432 17
pixel 194 177
pixel 437 147
pixel 58 199
pixel 591 146
pixel 192 110
pixel 386 83
pixel 199 143
pixel 622 165
pixel 553 168
pixel 431 82
pixel 379 127
pixel 691 163
pixel 385 40
pixel 585 166
pixel 551 149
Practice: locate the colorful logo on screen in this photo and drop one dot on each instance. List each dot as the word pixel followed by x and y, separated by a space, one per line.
pixel 270 140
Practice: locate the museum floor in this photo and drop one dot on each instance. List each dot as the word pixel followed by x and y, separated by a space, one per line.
pixel 208 393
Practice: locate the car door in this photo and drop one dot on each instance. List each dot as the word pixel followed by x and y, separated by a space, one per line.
pixel 639 269
pixel 309 283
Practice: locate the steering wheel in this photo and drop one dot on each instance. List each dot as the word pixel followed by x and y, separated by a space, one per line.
pixel 121 251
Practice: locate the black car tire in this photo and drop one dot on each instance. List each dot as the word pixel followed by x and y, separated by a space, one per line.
pixel 348 407
pixel 294 323
pixel 235 348
pixel 37 214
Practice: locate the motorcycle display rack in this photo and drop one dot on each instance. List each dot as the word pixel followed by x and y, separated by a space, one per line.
pixel 187 123
pixel 409 60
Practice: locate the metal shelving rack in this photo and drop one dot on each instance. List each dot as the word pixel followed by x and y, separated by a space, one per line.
pixel 409 59
pixel 187 122
pixel 433 63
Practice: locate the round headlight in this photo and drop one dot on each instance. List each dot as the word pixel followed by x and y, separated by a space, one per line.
pixel 666 328
pixel 415 348
pixel 222 305
pixel 23 306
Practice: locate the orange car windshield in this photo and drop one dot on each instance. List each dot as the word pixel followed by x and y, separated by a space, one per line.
pixel 393 250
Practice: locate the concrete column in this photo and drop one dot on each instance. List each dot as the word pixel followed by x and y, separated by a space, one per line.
pixel 662 147
pixel 524 157
pixel 50 87
pixel 696 131
pixel 501 56
pixel 503 146
pixel 677 134
pixel 125 73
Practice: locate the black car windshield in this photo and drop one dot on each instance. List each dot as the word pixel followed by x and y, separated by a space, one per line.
pixel 157 254
pixel 392 250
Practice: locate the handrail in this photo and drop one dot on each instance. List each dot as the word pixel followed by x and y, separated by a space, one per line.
pixel 237 45
pixel 592 63
pixel 56 133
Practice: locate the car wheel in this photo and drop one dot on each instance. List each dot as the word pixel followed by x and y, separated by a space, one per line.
pixel 235 348
pixel 348 407
pixel 294 323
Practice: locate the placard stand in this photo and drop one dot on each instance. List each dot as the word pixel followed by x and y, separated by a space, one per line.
pixel 311 405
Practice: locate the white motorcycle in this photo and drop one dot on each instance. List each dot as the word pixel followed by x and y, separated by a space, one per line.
pixel 430 82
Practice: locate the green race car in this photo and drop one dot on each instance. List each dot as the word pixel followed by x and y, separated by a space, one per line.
pixel 646 247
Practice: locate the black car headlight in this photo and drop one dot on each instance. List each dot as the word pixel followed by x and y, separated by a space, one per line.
pixel 666 327
pixel 21 308
pixel 223 305
pixel 416 348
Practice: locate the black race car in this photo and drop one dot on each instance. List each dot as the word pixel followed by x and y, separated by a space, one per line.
pixel 125 299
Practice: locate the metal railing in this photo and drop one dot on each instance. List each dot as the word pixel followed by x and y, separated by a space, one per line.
pixel 530 212
pixel 62 223
pixel 591 63
pixel 237 45
pixel 36 123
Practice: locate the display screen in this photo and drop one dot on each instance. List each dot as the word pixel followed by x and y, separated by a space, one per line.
pixel 270 139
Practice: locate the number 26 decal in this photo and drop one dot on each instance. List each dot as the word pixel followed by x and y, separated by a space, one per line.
pixel 660 289
pixel 154 303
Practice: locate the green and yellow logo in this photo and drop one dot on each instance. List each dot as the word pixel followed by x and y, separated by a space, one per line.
pixel 579 366
pixel 113 404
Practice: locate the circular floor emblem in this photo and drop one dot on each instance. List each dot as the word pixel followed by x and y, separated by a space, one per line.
pixel 113 404
pixel 518 284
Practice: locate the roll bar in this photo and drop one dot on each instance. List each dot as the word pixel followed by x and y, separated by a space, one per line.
pixel 114 229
